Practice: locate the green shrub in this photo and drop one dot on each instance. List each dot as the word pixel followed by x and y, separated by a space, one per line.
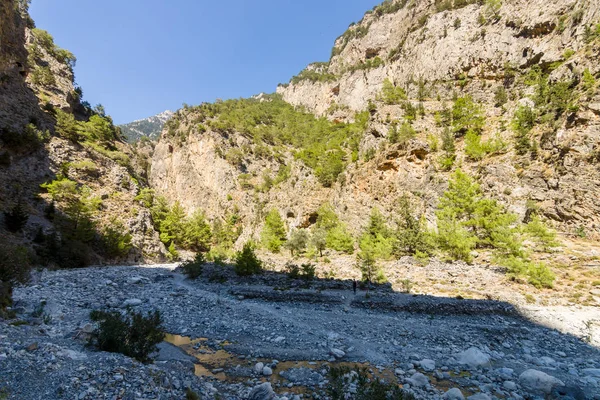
pixel 377 239
pixel 449 148
pixel 191 395
pixel 411 236
pixel 132 334
pixel 523 122
pixel 365 387
pixel 193 268
pixel 16 218
pixel 116 240
pixel 544 237
pixel 391 94
pixel 297 242
pixel 274 233
pixel 401 134
pixel 500 96
pixel 540 276
pixel 318 240
pixel 337 236
pixel 246 261
pixel 43 76
pixel 467 115
pixel 197 234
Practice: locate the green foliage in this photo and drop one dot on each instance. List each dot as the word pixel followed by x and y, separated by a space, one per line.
pixel 371 63
pixel 589 82
pixel 319 143
pixel 246 261
pixel 377 239
pixel 191 395
pixel 318 73
pixel 15 263
pixel 538 274
pixel 449 148
pixel 298 241
pixel 411 236
pixel 522 123
pixel 274 233
pixel 318 240
pixel 476 149
pixel 116 240
pixel 305 271
pixel 466 219
pixel 340 379
pixel 500 96
pixel 391 94
pixel 174 226
pixel 467 115
pixel 401 134
pixel 197 234
pixel 16 218
pixel 544 237
pixel 193 268
pixel 43 76
pixel 337 237
pixel 132 334
pixel 47 42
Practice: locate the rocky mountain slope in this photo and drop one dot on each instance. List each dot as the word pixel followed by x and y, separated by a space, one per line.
pixel 150 127
pixel 49 136
pixel 502 59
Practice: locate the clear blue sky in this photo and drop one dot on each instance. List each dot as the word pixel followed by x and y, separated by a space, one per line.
pixel 141 57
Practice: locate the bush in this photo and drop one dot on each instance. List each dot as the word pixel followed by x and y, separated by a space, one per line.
pixel 467 115
pixel 16 218
pixel 297 242
pixel 544 237
pixel 342 379
pixel 274 233
pixel 401 134
pixel 523 122
pixel 116 241
pixel 131 334
pixel 540 276
pixel 246 261
pixel 390 94
pixel 193 268
pixel 411 236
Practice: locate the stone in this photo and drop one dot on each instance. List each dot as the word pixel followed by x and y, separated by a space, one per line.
pixel 595 372
pixel 266 371
pixel 132 303
pixel 473 357
pixel 509 385
pixel 418 380
pixel 479 396
pixel 427 365
pixel 538 382
pixel 337 353
pixel 262 392
pixel 258 368
pixel 453 394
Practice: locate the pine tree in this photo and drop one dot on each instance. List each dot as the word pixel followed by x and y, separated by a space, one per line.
pixel 273 234
pixel 16 218
pixel 297 241
pixel 411 237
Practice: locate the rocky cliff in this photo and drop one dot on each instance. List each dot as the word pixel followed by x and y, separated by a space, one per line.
pixel 43 126
pixel 505 56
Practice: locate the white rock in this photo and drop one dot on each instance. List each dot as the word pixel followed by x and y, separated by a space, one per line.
pixel 279 339
pixel 337 353
pixel 453 394
pixel 418 380
pixel 258 368
pixel 262 392
pixel 509 385
pixel 592 372
pixel 474 357
pixel 266 371
pixel 132 303
pixel 538 381
pixel 72 354
pixel 427 365
pixel 479 396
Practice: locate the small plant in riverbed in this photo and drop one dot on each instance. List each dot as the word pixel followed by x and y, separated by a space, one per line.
pixel 131 334
pixel 246 261
pixel 367 388
pixel 193 268
pixel 191 395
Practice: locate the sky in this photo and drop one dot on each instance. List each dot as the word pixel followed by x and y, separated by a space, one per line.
pixel 141 57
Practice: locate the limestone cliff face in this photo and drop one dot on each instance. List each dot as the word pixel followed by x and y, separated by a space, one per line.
pixel 33 153
pixel 435 51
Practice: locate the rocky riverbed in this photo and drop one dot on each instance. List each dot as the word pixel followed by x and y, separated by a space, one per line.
pixel 284 335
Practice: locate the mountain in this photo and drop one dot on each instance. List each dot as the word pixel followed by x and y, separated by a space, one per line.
pixel 150 127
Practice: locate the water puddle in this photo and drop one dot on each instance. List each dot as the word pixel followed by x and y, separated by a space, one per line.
pixel 214 361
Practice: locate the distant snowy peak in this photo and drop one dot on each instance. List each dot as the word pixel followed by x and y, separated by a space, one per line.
pixel 150 127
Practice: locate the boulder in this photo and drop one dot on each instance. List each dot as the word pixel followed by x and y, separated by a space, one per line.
pixel 453 394
pixel 418 380
pixel 474 357
pixel 536 381
pixel 427 365
pixel 262 392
